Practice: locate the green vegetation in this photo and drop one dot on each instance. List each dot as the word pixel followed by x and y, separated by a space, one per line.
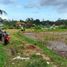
pixel 35 24
pixel 16 44
pixel 60 61
pixel 2 56
pixel 33 62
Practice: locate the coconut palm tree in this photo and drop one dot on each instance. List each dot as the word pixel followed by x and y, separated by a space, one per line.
pixel 2 12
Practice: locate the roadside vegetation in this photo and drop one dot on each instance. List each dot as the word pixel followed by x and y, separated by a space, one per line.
pixel 60 61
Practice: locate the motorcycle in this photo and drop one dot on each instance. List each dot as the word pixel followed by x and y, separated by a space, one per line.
pixel 6 39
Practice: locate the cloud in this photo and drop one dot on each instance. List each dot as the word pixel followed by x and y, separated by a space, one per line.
pixel 49 2
pixel 6 2
pixel 31 5
pixel 60 5
pixel 11 2
pixel 54 3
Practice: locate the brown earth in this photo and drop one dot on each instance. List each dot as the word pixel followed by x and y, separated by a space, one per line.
pixel 55 40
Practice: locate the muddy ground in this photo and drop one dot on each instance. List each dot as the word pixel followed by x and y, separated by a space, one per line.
pixel 55 40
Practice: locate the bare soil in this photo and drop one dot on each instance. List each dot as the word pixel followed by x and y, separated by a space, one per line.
pixel 55 40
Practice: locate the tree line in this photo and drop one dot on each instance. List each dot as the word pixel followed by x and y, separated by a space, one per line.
pixel 30 22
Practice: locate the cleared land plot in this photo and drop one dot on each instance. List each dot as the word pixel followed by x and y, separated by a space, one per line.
pixel 56 41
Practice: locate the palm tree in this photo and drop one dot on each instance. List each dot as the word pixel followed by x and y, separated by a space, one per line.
pixel 2 12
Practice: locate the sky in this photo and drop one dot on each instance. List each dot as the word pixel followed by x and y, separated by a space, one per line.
pixel 36 9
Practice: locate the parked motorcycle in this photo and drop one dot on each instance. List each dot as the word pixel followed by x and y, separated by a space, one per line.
pixel 5 38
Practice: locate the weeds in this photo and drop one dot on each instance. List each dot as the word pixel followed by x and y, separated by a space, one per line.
pixel 60 61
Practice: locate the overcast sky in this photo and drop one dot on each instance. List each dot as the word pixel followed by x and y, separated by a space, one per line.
pixel 37 9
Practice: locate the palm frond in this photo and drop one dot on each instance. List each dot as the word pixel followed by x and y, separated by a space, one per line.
pixel 2 12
